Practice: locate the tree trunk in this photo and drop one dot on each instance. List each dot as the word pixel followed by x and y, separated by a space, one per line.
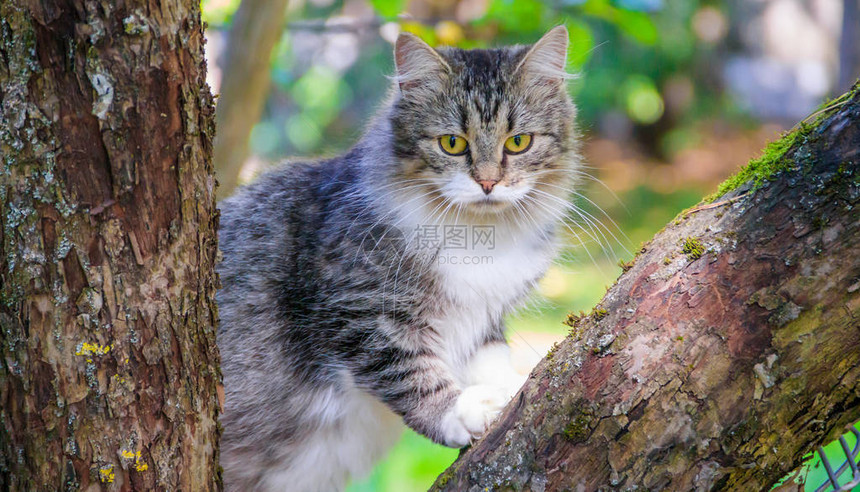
pixel 729 349
pixel 257 26
pixel 109 366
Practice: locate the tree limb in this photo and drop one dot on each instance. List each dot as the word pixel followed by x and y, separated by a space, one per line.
pixel 256 28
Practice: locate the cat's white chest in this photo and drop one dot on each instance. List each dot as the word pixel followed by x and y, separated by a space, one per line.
pixel 480 285
pixel 493 277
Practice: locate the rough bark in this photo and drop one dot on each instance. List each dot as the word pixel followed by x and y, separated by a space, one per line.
pixel 729 349
pixel 109 365
pixel 256 28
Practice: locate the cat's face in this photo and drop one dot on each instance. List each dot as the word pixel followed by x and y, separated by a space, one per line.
pixel 484 130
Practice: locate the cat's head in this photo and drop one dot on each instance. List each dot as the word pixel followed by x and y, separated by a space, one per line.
pixel 485 130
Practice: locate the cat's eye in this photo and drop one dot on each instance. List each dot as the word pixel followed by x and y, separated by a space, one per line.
pixel 453 145
pixel 518 143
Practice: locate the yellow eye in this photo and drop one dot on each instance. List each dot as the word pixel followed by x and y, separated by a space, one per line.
pixel 453 145
pixel 518 143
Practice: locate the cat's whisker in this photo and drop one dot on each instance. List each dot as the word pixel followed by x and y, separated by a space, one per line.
pixel 572 192
pixel 592 203
pixel 576 236
pixel 569 207
pixel 390 226
pixel 375 201
pixel 605 187
pixel 593 222
pixel 406 246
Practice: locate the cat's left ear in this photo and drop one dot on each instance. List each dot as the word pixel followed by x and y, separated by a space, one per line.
pixel 418 65
pixel 546 59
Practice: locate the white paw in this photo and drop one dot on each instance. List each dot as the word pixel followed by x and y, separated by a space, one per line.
pixel 476 408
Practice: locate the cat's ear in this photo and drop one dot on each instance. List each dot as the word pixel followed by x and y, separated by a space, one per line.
pixel 546 59
pixel 418 65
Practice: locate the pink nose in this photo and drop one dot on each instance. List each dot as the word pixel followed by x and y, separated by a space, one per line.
pixel 487 184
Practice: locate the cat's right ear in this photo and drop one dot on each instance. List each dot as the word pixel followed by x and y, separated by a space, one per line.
pixel 545 60
pixel 418 65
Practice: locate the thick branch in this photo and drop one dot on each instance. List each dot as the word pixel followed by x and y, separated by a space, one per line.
pixel 727 352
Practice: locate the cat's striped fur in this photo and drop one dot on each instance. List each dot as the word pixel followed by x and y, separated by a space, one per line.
pixel 336 325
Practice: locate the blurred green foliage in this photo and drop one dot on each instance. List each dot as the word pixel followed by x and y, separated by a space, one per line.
pixel 625 53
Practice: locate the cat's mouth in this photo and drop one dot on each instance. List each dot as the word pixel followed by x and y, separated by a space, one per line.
pixel 490 203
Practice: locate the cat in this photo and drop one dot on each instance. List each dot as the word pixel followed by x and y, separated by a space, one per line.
pixel 369 290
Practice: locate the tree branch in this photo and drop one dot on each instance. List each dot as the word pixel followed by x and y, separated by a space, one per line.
pixel 723 356
pixel 245 85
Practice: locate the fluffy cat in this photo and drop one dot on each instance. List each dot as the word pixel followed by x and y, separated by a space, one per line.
pixel 369 290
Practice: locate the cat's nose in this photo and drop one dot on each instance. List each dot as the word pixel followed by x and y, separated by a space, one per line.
pixel 487 184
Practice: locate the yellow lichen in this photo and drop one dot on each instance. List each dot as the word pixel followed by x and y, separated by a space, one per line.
pixel 138 464
pixel 89 349
pixel 106 474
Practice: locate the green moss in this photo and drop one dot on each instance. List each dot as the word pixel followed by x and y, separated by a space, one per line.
pixel 445 477
pixel 666 260
pixel 772 160
pixel 551 353
pixel 577 429
pixel 599 313
pixel 764 167
pixel 625 265
pixel 820 222
pixel 574 319
pixel 693 248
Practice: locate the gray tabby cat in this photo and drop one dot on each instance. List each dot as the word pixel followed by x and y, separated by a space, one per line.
pixel 343 318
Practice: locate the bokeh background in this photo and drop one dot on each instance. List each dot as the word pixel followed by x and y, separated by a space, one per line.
pixel 673 96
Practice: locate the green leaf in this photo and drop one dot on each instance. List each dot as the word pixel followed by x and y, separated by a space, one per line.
pixel 387 8
pixel 519 16
pixel 637 25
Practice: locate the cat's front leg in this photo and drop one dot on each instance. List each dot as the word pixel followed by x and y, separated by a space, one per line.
pixel 419 386
pixel 492 383
pixel 491 365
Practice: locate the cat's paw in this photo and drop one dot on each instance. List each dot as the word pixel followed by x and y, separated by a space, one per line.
pixel 475 409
